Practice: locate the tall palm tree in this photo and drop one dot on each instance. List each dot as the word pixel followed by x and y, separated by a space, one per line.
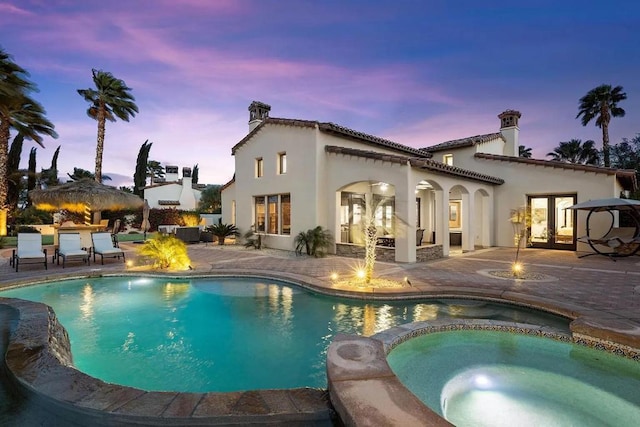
pixel 575 151
pixel 109 100
pixel 20 112
pixel 601 103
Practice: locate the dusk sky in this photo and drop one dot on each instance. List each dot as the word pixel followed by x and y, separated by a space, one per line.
pixel 416 72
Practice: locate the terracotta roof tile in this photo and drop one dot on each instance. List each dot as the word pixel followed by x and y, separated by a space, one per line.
pixel 169 202
pixel 416 162
pixel 333 129
pixel 464 142
pixel 627 177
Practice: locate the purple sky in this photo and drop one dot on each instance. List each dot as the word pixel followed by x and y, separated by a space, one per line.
pixel 417 72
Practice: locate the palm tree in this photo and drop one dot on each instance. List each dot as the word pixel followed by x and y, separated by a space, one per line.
pixel 109 100
pixel 19 112
pixel 601 104
pixel 575 151
pixel 524 151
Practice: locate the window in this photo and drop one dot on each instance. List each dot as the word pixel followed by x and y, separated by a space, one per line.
pixel 282 163
pixel 418 212
pixel 447 159
pixel 260 214
pixel 273 214
pixel 285 213
pixel 272 210
pixel 259 167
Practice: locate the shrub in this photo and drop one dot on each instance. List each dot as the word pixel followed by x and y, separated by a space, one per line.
pixel 190 219
pixel 315 242
pixel 252 240
pixel 27 229
pixel 222 231
pixel 166 251
pixel 31 215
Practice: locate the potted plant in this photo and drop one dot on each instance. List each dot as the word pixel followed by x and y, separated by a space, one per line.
pixel 222 231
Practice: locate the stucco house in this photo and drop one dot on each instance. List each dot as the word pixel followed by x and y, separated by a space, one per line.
pixel 292 175
pixel 173 192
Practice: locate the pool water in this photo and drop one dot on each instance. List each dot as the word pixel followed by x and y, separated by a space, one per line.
pixel 227 334
pixel 490 378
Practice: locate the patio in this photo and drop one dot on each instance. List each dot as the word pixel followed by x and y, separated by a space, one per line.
pixel 605 294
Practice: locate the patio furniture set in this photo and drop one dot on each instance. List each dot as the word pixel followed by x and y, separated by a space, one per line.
pixel 29 249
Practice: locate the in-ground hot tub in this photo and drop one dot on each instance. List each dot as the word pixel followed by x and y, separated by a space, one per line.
pixel 482 377
pixel 482 372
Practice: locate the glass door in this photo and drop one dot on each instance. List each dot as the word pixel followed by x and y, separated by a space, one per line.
pixel 552 224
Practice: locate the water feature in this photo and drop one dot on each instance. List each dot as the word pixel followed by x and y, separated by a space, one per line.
pixel 475 378
pixel 214 334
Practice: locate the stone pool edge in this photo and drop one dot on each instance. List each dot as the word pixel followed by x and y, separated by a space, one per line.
pixel 39 366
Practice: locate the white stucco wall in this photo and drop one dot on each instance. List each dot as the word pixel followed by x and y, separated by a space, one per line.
pixel 173 191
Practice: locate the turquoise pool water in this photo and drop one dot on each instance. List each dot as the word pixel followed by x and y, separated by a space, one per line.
pixel 224 334
pixel 487 378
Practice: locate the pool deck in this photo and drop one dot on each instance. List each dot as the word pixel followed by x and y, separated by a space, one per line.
pixel 604 295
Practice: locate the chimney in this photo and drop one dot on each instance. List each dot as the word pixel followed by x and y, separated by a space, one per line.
pixel 258 111
pixel 171 173
pixel 510 132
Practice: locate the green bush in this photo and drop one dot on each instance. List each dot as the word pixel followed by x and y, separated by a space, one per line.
pixel 222 231
pixel 27 229
pixel 31 215
pixel 315 242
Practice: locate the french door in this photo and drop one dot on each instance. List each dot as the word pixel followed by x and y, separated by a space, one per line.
pixel 552 225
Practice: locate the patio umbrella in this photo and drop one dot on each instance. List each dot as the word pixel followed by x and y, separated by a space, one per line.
pixel 612 203
pixel 145 226
pixel 78 195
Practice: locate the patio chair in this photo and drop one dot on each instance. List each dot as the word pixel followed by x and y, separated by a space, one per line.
pixel 103 246
pixel 419 236
pixel 70 246
pixel 29 250
pixel 114 233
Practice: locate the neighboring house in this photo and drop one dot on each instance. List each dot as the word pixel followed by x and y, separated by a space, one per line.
pixel 292 175
pixel 172 192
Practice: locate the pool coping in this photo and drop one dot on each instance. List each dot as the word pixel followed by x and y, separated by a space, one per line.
pixel 38 362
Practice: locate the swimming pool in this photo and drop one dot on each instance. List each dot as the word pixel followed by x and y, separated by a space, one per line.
pixel 473 378
pixel 225 334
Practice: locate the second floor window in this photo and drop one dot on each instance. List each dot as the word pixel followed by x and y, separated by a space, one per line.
pixel 447 159
pixel 282 163
pixel 259 167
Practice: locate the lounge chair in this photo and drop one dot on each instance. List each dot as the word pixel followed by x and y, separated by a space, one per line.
pixel 103 246
pixel 70 246
pixel 29 250
pixel 620 241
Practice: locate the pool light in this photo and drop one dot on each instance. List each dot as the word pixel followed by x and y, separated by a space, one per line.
pixel 360 273
pixel 334 276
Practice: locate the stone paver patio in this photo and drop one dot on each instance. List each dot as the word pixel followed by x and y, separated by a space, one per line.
pixel 604 294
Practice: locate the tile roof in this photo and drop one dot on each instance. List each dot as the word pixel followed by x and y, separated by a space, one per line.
pixel 416 162
pixel 334 129
pixel 169 202
pixel 464 142
pixel 625 176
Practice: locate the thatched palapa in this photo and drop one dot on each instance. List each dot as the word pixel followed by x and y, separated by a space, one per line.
pixel 76 196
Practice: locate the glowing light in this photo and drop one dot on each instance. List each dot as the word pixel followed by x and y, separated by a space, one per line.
pixel 482 381
pixel 360 273
pixel 517 268
pixel 334 276
pixel 384 186
pixel 129 263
